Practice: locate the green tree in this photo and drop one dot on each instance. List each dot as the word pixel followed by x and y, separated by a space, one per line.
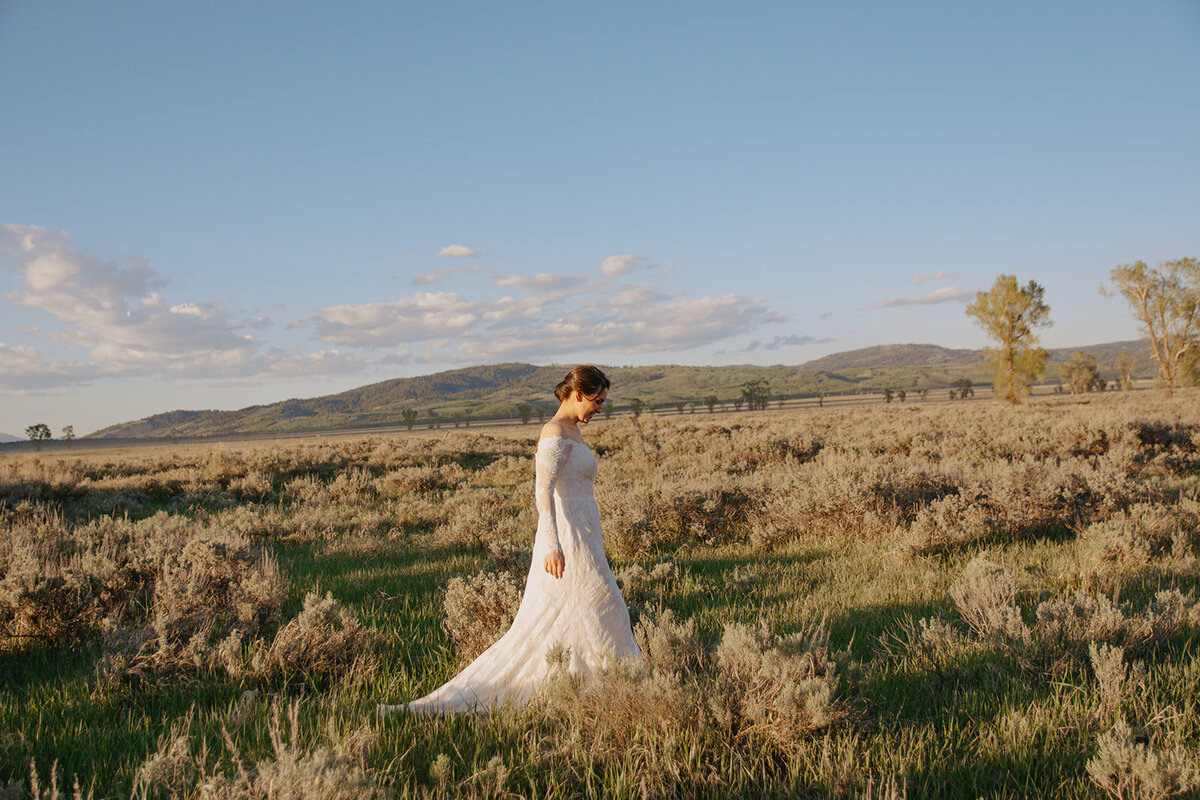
pixel 711 402
pixel 887 395
pixel 1079 372
pixel 1008 313
pixel 1166 301
pixel 965 388
pixel 636 407
pixel 409 415
pixel 524 411
pixel 756 393
pixel 38 434
pixel 1125 365
pixel 608 410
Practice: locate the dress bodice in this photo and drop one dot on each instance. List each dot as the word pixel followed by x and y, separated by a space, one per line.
pixel 567 465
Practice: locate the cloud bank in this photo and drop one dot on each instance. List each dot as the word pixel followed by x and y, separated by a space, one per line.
pixel 116 319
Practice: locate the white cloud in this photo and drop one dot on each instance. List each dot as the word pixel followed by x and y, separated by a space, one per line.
pixel 457 251
pixel 421 315
pixel 944 295
pixel 940 275
pixel 542 282
pixel 24 370
pixel 616 266
pixel 589 318
pixel 439 275
pixel 116 315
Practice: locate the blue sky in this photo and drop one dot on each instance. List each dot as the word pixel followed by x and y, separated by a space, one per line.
pixel 208 205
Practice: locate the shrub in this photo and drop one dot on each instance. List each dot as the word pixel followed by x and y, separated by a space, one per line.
pixel 1130 770
pixel 479 610
pixel 985 594
pixel 667 644
pixel 778 689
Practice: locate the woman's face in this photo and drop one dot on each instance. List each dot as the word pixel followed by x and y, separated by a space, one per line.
pixel 591 404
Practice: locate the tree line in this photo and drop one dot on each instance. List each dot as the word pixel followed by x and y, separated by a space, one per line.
pixel 1165 300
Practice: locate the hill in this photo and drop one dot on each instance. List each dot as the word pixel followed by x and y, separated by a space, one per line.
pixel 8 437
pixel 495 391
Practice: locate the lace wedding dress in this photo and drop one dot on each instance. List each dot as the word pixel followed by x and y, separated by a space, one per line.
pixel 583 611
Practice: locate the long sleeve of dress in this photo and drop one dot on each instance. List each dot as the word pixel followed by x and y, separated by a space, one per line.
pixel 552 453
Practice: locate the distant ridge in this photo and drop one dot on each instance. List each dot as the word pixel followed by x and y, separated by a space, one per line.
pixel 8 437
pixel 892 355
pixel 494 391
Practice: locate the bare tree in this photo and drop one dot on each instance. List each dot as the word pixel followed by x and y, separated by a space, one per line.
pixel 1008 313
pixel 1166 301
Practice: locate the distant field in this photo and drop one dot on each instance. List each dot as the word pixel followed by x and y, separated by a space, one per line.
pixel 929 599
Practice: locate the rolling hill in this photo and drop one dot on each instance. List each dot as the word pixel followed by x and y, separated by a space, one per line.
pixel 494 391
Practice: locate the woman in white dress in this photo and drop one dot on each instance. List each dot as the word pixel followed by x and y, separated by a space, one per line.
pixel 571 598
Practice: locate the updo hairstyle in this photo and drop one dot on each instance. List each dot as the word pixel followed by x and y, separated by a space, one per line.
pixel 584 378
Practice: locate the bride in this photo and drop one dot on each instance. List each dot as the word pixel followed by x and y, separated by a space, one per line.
pixel 571 598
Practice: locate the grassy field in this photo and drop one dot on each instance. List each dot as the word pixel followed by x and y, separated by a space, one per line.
pixel 931 600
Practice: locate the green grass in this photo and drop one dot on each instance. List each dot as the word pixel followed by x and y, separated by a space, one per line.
pixel 969 724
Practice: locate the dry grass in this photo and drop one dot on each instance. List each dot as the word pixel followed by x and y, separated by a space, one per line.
pixel 841 602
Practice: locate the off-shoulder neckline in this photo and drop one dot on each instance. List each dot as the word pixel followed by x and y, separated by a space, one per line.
pixel 560 436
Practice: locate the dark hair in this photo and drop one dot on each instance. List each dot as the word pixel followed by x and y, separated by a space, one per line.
pixel 584 378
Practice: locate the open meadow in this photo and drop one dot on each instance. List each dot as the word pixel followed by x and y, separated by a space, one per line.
pixel 912 599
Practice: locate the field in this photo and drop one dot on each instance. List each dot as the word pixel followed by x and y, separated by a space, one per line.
pixel 924 600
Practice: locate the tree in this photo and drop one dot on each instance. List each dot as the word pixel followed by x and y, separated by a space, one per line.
pixel 755 393
pixel 737 404
pixel 887 395
pixel 923 394
pixel 711 402
pixel 692 407
pixel 965 388
pixel 901 394
pixel 1008 313
pixel 524 411
pixel 608 410
pixel 434 419
pixel 636 407
pixel 1166 301
pixel 68 434
pixel 1079 372
pixel 1125 365
pixel 679 407
pixel 38 433
pixel 409 415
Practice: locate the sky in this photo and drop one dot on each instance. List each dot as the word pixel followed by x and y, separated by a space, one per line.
pixel 218 204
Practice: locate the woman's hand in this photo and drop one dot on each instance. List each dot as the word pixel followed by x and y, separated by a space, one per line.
pixel 555 563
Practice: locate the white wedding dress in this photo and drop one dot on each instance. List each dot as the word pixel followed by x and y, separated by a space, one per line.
pixel 582 612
